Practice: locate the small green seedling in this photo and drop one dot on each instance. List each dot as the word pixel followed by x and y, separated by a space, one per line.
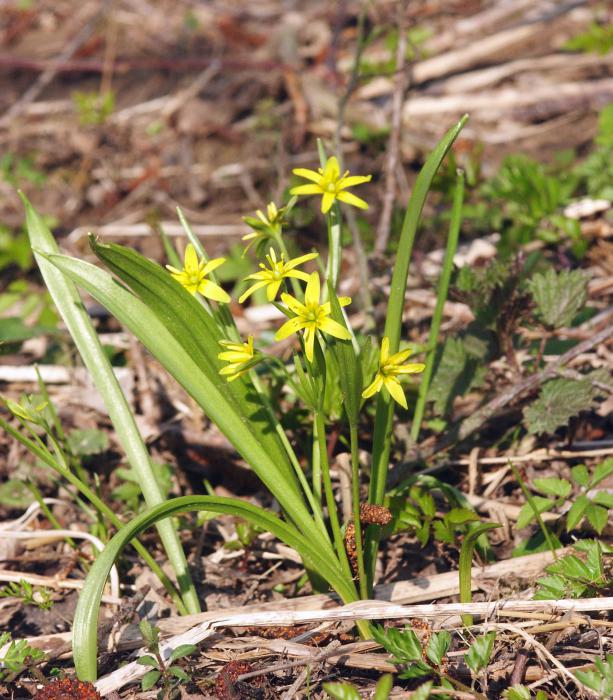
pixel 38 596
pixel 600 679
pixel 165 672
pixel 19 657
pixel 347 691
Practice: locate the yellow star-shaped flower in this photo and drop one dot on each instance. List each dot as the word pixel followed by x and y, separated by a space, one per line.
pixel 329 183
pixel 193 275
pixel 387 374
pixel 312 317
pixel 278 270
pixel 240 357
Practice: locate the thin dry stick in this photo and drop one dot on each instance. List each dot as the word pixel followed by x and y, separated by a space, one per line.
pixel 383 229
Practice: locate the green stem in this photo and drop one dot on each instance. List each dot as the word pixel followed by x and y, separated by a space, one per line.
pixel 443 288
pixel 355 497
pixel 465 565
pixel 333 267
pixel 316 464
pixel 331 503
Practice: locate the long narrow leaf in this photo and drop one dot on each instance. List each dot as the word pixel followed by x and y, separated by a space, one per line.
pixel 385 406
pixel 85 626
pixel 68 303
pixel 188 371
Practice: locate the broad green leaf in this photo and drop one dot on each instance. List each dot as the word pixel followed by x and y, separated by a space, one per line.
pixel 601 472
pixel 438 646
pixel 150 679
pixel 181 651
pixel 517 692
pixel 68 303
pixel 559 400
pixel 527 513
pixel 342 691
pixel 599 679
pixel 576 512
pixel 423 692
pixel 597 517
pixel 402 644
pixel 603 498
pixel 459 516
pixel 581 475
pixel 560 488
pixel 179 673
pixel 85 625
pixel 559 296
pixel 147 660
pixel 478 656
pixel 187 368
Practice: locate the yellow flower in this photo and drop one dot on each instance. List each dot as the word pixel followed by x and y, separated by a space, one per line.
pixel 329 183
pixel 268 222
pixel 389 369
pixel 239 355
pixel 273 278
pixel 193 275
pixel 311 317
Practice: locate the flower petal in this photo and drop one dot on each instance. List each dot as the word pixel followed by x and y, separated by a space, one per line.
pixel 190 258
pixel 213 265
pixel 333 328
pixel 332 170
pixel 174 270
pixel 394 388
pixel 373 387
pixel 253 288
pixel 311 295
pixel 307 174
pixel 298 274
pixel 273 289
pixel 385 350
pixel 213 291
pixel 413 368
pixel 306 189
pixel 293 304
pixel 350 198
pixel 353 180
pixel 327 201
pixel 399 357
pixel 289 327
pixel 309 343
pixel 291 264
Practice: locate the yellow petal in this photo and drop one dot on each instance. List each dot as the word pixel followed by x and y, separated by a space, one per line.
pixel 306 189
pixel 212 265
pixel 350 198
pixel 253 288
pixel 333 328
pixel 394 388
pixel 373 387
pixel 291 264
pixel 307 174
pixel 174 270
pixel 309 343
pixel 399 357
pixel 385 350
pixel 353 180
pixel 311 295
pixel 413 368
pixel 332 170
pixel 190 259
pixel 213 291
pixel 293 304
pixel 297 274
pixel 289 327
pixel 272 289
pixel 327 201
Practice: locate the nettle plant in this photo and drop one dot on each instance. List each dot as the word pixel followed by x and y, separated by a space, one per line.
pixel 182 317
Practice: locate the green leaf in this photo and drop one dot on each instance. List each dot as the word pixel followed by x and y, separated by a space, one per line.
pixel 147 660
pixel 581 475
pixel 480 652
pixel 527 513
pixel 15 493
pixel 179 348
pixel 87 441
pixel 603 498
pixel 423 692
pixel 601 678
pixel 85 623
pixel 68 303
pixel 403 645
pixel 342 691
pixel 559 400
pixel 559 296
pixel 459 516
pixel 179 673
pixel 181 651
pixel 465 564
pixel 438 647
pixel 384 687
pixel 597 517
pixel 576 512
pixel 601 472
pixel 517 692
pixel 150 679
pixel 551 588
pixel 560 488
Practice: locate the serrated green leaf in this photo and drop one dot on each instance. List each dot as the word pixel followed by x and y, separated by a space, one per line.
pixel 597 517
pixel 576 512
pixel 480 652
pixel 550 588
pixel 601 472
pixel 179 673
pixel 341 691
pixel 438 646
pixel 559 400
pixel 423 692
pixel 181 651
pixel 527 513
pixel 517 692
pixel 559 296
pixel 150 679
pixel 553 486
pixel 603 498
pixel 402 644
pixel 601 678
pixel 581 475
pixel 459 516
